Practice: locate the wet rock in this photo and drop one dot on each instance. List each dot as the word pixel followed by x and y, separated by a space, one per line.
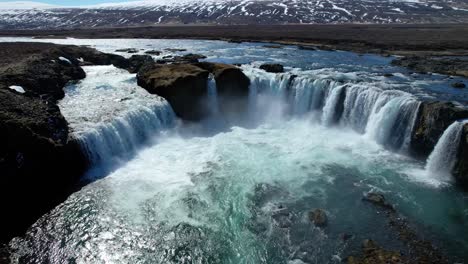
pixel 128 50
pixel 175 50
pixel 460 170
pixel 443 65
pixel 274 68
pixel 432 120
pixel 153 52
pixel 374 254
pixel 184 86
pixel 273 46
pixel 377 199
pixel 282 217
pixel 135 62
pixel 304 47
pixel 318 217
pixel 39 162
pixel 188 58
pixel 458 85
pixel 232 86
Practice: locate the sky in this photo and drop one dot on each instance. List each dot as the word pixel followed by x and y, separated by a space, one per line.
pixel 71 2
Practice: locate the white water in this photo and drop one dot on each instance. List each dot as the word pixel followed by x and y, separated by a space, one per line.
pixel 212 96
pixel 385 116
pixel 110 115
pixel 444 156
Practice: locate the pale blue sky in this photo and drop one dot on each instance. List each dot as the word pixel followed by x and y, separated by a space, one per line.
pixel 71 2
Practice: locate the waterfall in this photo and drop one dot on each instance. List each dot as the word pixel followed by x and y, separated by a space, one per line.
pixel 110 116
pixel 444 156
pixel 385 116
pixel 123 135
pixel 330 111
pixel 213 105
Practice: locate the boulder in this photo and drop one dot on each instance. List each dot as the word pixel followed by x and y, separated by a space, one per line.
pixel 377 199
pixel 274 68
pixel 153 52
pixel 184 86
pixel 432 120
pixel 135 62
pixel 318 217
pixel 458 85
pixel 129 50
pixel 374 254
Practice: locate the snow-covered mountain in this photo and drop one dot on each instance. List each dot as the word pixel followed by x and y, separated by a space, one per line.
pixel 151 12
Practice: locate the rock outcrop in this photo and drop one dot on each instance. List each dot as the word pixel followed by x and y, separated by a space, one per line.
pixel 39 162
pixel 274 68
pixel 460 171
pixel 318 217
pixel 432 120
pixel 184 86
pixel 444 65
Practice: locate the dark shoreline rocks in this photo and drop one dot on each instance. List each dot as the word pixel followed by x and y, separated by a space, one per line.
pixel 443 65
pixel 40 163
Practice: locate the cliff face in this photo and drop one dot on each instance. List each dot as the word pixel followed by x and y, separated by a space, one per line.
pixel 185 87
pixel 39 162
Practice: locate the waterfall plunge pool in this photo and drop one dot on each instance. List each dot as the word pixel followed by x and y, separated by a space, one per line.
pixel 220 198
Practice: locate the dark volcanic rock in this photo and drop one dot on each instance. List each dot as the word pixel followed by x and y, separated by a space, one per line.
pixel 374 254
pixel 232 86
pixel 39 163
pixel 318 217
pixel 129 50
pixel 153 52
pixel 444 65
pixel 135 62
pixel 275 68
pixel 432 120
pixel 460 171
pixel 184 86
pixel 188 58
pixel 458 85
pixel 377 199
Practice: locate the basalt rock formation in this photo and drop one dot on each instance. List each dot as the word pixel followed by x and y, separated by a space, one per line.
pixel 432 120
pixel 184 86
pixel 275 68
pixel 39 162
pixel 460 170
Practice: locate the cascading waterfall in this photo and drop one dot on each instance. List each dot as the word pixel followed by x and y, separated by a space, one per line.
pixel 442 159
pixel 110 115
pixel 124 134
pixel 212 96
pixel 385 116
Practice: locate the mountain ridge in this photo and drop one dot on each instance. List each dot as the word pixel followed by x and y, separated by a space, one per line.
pixel 232 12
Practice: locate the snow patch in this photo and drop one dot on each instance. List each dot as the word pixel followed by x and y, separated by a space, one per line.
pixel 17 88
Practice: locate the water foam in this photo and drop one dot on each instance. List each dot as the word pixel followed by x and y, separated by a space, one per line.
pixel 110 115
